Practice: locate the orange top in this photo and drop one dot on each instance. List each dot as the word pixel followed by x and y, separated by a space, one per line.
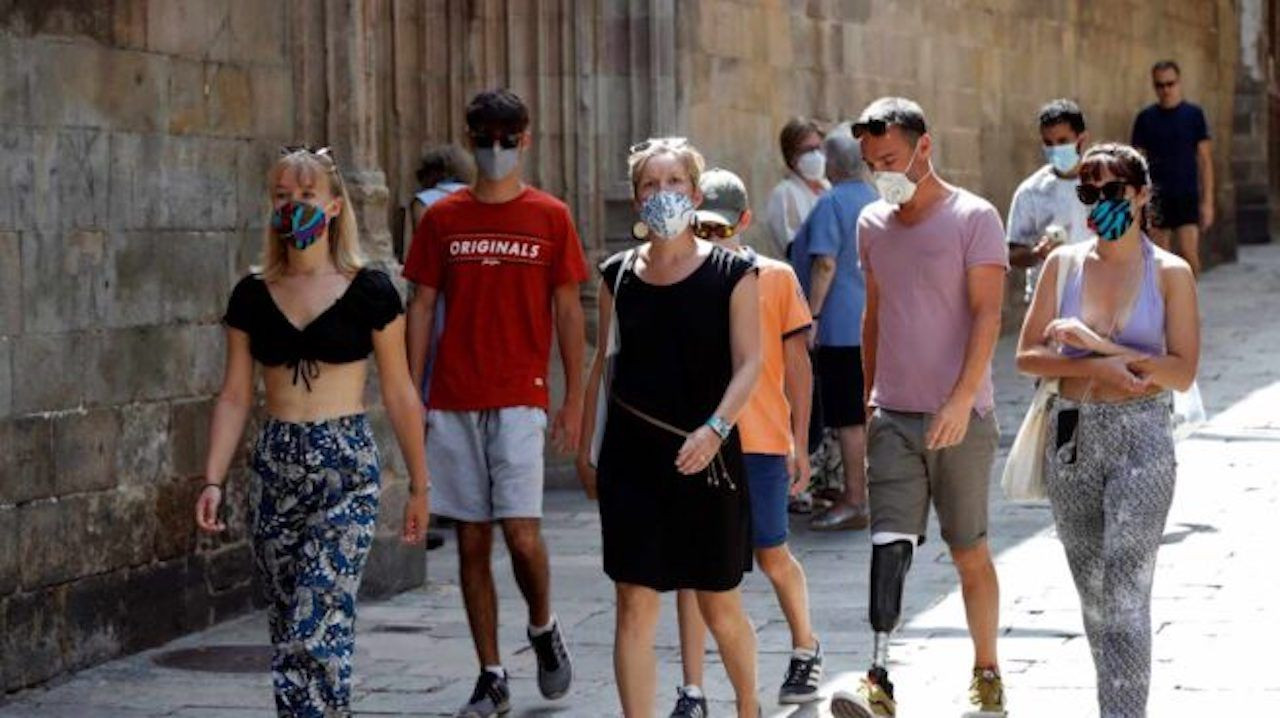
pixel 765 423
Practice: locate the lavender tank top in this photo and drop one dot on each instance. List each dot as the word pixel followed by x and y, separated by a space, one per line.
pixel 1144 332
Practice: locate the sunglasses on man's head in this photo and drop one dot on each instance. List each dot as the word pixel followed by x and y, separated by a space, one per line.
pixel 877 128
pixel 707 230
pixel 482 140
pixel 1091 193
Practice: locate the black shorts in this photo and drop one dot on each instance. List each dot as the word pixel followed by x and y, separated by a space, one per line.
pixel 1175 210
pixel 838 371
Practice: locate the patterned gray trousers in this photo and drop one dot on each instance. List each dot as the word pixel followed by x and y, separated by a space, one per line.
pixel 1110 482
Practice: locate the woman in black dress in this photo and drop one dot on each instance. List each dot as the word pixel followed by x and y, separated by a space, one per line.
pixel 674 508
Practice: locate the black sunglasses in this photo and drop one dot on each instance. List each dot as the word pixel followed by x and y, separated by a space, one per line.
pixel 482 140
pixel 707 230
pixel 1163 85
pixel 1090 193
pixel 877 127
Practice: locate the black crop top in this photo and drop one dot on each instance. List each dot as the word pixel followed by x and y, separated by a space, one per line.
pixel 340 334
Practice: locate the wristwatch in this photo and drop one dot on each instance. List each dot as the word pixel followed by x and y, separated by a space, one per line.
pixel 720 426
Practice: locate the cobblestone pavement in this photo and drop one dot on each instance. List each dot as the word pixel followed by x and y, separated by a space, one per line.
pixel 1216 581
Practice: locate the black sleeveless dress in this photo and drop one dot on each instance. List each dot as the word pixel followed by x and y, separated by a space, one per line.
pixel 663 529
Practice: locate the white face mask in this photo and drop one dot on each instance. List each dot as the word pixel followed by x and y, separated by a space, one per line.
pixel 812 165
pixel 896 187
pixel 497 162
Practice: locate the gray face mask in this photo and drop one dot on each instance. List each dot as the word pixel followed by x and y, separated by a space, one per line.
pixel 497 162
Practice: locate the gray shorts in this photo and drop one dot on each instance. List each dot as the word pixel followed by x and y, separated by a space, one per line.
pixel 486 465
pixel 902 477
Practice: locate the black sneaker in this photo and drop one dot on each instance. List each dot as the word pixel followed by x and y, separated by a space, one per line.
pixel 491 697
pixel 802 680
pixel 555 667
pixel 688 706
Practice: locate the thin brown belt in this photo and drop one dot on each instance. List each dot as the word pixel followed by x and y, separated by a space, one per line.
pixel 717 472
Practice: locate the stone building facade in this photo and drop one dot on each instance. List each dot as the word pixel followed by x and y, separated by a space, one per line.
pixel 135 136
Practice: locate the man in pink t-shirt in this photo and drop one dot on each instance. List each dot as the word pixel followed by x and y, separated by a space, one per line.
pixel 934 259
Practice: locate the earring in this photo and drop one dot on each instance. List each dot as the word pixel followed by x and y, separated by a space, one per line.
pixel 640 230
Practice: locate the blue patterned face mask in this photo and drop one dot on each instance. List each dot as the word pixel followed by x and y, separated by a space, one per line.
pixel 1111 218
pixel 667 213
pixel 299 223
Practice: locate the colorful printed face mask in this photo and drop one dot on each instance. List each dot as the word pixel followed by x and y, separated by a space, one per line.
pixel 1111 218
pixel 667 213
pixel 299 223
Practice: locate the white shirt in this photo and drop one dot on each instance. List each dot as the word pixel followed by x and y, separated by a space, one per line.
pixel 790 202
pixel 1041 200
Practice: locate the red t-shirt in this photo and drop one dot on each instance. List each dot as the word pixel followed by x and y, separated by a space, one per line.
pixel 496 266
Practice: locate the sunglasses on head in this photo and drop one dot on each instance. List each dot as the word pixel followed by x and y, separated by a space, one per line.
pixel 707 230
pixel 325 152
pixel 482 140
pixel 877 127
pixel 673 143
pixel 1091 193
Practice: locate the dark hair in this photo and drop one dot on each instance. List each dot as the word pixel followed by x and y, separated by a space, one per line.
pixel 1059 111
pixel 906 115
pixel 1122 161
pixel 1166 65
pixel 793 134
pixel 501 110
pixel 442 162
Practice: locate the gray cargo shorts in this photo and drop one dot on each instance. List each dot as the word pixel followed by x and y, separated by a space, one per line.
pixel 903 476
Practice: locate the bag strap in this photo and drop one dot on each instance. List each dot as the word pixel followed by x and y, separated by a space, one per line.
pixel 1072 262
pixel 615 337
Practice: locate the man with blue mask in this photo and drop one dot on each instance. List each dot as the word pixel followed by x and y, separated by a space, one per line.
pixel 1045 213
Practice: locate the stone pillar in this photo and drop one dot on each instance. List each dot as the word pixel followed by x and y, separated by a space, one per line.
pixel 353 121
pixel 1252 151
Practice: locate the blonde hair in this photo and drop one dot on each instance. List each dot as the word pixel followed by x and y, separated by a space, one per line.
pixel 678 147
pixel 344 238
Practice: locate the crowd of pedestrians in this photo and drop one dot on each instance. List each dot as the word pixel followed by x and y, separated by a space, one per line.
pixel 838 366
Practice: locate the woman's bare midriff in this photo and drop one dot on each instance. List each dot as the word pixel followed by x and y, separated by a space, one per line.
pixel 1078 389
pixel 337 391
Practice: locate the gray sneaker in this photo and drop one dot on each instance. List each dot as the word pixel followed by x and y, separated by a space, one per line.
pixel 490 698
pixel 687 706
pixel 555 667
pixel 802 680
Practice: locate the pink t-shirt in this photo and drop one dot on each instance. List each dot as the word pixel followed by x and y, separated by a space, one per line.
pixel 923 317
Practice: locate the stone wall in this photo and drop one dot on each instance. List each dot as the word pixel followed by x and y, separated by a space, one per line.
pixel 135 136
pixel 134 141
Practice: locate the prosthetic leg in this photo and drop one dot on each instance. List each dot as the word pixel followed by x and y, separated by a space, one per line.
pixel 890 560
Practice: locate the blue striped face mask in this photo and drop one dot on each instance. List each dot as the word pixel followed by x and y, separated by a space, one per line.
pixel 1111 218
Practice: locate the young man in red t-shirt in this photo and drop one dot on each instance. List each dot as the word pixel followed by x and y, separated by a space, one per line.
pixel 506 259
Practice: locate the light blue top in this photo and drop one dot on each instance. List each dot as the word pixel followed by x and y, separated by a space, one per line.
pixel 831 230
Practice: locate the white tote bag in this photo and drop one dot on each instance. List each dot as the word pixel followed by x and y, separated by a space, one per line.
pixel 1023 477
pixel 612 346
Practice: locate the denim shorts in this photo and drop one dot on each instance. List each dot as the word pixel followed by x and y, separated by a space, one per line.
pixel 769 490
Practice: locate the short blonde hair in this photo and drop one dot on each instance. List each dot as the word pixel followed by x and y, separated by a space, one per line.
pixel 344 237
pixel 677 147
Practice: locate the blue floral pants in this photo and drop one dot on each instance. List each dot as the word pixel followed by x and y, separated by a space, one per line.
pixel 313 504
